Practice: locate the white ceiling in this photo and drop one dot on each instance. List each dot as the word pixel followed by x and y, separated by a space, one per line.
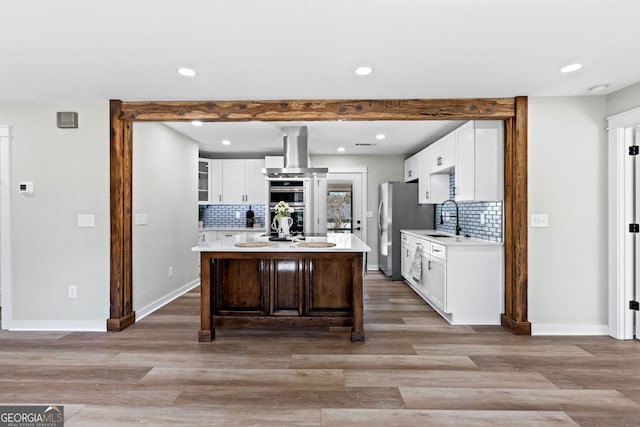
pixel 405 137
pixel 292 49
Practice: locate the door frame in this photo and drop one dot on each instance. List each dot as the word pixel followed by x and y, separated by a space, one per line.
pixel 621 257
pixel 5 227
pixel 362 174
pixel 512 110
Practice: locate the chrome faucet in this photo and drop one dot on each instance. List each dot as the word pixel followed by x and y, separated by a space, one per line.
pixel 458 228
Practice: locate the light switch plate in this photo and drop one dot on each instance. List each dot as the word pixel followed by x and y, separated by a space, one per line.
pixel 86 220
pixel 142 219
pixel 539 220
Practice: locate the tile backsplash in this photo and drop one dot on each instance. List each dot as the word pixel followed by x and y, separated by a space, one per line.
pixel 225 215
pixel 471 214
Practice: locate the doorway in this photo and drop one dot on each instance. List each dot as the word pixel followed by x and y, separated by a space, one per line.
pixel 624 217
pixel 339 200
pixel 512 110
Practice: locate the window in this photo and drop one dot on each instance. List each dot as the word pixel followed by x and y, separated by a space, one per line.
pixel 339 208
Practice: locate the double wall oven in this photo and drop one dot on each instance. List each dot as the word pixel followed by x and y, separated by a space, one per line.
pixel 295 192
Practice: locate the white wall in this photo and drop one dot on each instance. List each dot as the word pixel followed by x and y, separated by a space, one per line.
pixel 70 172
pixel 623 100
pixel 380 169
pixel 165 182
pixel 567 180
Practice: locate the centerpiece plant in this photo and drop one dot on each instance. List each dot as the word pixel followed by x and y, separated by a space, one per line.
pixel 282 209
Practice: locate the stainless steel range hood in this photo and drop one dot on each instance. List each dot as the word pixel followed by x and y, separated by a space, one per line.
pixel 296 157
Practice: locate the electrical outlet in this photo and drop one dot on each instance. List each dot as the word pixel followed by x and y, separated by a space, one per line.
pixel 72 292
pixel 170 272
pixel 237 214
pixel 483 219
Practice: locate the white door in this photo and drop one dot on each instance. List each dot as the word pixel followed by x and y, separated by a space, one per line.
pixel 340 207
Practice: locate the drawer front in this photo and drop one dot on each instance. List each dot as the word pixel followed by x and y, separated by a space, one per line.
pixel 438 250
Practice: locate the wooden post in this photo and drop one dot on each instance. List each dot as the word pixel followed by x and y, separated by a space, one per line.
pixel 121 314
pixel 516 226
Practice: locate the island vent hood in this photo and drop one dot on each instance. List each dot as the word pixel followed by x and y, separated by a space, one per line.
pixel 296 157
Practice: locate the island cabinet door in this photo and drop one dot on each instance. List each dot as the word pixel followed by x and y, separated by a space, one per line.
pixel 286 277
pixel 329 290
pixel 239 287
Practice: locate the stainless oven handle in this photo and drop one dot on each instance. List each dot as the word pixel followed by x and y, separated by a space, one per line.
pixel 286 189
pixel 293 205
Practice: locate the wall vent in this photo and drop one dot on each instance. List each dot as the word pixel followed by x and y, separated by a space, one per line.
pixel 365 144
pixel 67 119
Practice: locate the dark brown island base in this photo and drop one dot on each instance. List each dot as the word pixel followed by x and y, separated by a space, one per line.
pixel 245 283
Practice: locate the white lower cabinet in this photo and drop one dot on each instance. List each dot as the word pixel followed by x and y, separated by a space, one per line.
pixel 462 281
pixel 434 276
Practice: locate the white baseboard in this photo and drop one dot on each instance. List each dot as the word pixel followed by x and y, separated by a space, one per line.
pixel 161 302
pixel 57 325
pixel 372 267
pixel 570 329
pixel 92 325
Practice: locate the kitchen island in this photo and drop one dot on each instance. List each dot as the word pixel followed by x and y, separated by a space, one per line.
pixel 248 281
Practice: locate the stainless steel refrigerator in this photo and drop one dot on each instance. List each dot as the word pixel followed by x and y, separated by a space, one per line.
pixel 398 209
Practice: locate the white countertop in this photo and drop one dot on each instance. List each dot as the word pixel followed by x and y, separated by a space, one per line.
pixel 450 239
pixel 344 243
pixel 232 228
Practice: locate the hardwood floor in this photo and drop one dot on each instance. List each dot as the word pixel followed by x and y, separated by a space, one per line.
pixel 414 369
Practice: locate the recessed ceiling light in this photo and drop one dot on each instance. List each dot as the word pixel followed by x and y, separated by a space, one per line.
pixel 363 71
pixel 225 142
pixel 598 88
pixel 570 68
pixel 197 123
pixel 187 72
pixel 341 149
pixel 381 136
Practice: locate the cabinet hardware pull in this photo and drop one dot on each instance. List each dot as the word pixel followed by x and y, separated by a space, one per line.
pixel 439 161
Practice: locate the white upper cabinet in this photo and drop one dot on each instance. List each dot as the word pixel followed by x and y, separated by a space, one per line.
pixel 411 168
pixel 443 153
pixel 215 172
pixel 255 182
pixel 243 182
pixel 231 182
pixel 479 170
pixel 473 153
pixel 465 181
pixel 209 181
pixel 204 182
pixel 433 187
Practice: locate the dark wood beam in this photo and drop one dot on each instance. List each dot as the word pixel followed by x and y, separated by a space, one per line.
pixel 314 110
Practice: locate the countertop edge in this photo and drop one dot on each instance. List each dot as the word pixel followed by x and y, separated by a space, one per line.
pixel 453 240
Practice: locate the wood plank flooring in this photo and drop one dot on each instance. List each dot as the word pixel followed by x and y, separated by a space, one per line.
pixel 413 370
